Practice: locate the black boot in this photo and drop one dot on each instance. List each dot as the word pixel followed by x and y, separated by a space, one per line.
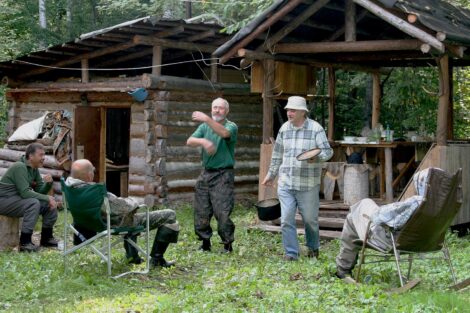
pixel 206 245
pixel 47 239
pixel 132 254
pixel 158 250
pixel 227 248
pixel 26 245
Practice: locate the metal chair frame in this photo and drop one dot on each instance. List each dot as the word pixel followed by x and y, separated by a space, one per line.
pixel 104 252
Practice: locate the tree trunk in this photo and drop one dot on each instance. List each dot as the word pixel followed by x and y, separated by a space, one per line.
pixel 42 20
pixel 69 18
pixel 94 13
pixel 9 232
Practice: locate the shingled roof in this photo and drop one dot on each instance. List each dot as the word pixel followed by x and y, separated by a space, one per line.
pixel 288 22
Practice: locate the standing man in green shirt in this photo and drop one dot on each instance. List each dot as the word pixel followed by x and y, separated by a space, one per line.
pixel 23 193
pixel 215 186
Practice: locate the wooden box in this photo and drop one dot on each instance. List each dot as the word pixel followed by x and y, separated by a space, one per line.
pixel 289 78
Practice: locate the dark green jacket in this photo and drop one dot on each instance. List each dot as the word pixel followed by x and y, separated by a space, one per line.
pixel 27 180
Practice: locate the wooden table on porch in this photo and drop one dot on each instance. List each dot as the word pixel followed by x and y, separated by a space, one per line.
pixel 386 171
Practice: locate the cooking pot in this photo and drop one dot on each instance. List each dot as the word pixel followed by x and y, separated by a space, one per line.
pixel 269 209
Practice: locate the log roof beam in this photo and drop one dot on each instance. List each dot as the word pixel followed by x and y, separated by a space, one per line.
pixel 170 32
pixel 401 24
pixel 260 29
pixel 250 56
pixel 341 31
pixel 305 15
pixel 352 46
pixel 78 58
pixel 175 44
pixel 200 36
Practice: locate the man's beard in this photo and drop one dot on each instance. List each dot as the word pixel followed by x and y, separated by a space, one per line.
pixel 218 118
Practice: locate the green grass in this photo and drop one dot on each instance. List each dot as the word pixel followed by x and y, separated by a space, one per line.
pixel 252 279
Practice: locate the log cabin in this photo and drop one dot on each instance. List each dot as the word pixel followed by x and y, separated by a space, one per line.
pixel 137 145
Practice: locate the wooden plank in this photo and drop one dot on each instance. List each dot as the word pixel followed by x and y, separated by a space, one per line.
pixel 461 285
pixel 87 121
pixel 324 234
pixel 324 222
pixel 408 286
pixel 266 192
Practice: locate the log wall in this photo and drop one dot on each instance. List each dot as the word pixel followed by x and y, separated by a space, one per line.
pixel 161 167
pixel 182 163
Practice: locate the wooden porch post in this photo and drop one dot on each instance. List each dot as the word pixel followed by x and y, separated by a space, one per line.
pixel 350 21
pixel 85 72
pixel 331 103
pixel 375 99
pixel 444 91
pixel 214 70
pixel 450 109
pixel 157 60
pixel 268 101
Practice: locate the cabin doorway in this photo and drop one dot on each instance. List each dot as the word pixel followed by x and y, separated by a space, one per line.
pixel 102 136
pixel 117 150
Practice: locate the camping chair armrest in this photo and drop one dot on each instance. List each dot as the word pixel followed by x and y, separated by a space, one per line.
pixel 106 206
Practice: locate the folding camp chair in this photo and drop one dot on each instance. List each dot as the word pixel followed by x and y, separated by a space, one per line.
pixel 85 205
pixel 425 231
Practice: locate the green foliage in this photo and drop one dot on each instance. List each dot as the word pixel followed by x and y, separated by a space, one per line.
pixel 461 102
pixel 252 279
pixel 410 100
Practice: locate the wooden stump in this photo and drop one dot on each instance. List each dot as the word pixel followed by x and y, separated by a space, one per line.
pixel 9 232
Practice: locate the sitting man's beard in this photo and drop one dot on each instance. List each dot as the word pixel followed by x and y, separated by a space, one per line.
pixel 218 118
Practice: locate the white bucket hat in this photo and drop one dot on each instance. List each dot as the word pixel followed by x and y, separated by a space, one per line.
pixel 296 103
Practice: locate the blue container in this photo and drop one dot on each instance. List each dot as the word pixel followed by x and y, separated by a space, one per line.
pixel 139 94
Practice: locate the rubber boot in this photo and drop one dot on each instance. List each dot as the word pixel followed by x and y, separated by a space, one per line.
pixel 206 245
pixel 158 250
pixel 26 245
pixel 132 254
pixel 47 239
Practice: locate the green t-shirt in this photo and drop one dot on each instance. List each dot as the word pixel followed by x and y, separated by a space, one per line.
pixel 225 147
pixel 27 180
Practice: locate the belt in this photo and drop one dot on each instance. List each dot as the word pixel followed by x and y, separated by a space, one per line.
pixel 218 169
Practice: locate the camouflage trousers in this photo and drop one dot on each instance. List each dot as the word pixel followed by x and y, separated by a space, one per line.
pixel 156 218
pixel 214 196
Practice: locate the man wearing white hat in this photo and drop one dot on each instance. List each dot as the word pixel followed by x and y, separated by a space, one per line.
pixel 299 181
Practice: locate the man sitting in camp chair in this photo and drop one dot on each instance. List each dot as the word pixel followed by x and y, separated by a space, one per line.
pixel 394 215
pixel 123 214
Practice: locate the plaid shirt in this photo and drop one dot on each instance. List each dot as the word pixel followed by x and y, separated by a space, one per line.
pixel 290 142
pixel 397 214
